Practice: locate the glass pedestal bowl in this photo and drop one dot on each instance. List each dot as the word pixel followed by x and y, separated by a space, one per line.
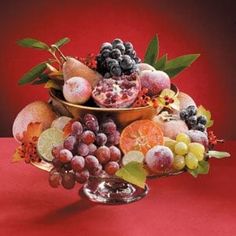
pixel 103 189
pixel 110 189
pixel 106 189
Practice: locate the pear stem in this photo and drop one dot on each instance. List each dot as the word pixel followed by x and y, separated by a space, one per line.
pixel 54 55
pixel 59 51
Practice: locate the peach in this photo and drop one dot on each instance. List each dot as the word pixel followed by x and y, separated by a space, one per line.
pixel 37 111
pixel 171 128
pixel 77 90
pixel 73 67
pixel 155 81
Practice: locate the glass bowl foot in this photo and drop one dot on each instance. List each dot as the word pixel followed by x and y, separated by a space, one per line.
pixel 112 191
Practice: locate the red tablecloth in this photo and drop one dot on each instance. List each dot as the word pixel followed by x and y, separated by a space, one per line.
pixel 178 205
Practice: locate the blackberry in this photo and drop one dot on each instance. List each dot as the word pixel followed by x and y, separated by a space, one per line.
pixel 117 58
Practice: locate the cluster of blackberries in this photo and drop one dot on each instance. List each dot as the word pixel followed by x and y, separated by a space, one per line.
pixel 189 115
pixel 117 58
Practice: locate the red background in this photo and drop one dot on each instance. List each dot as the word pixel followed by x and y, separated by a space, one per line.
pixel 206 27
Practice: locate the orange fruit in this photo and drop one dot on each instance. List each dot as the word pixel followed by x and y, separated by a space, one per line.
pixel 141 135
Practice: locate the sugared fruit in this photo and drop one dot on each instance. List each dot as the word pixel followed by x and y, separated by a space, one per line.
pixel 155 81
pixel 141 135
pixel 197 149
pixel 159 159
pixel 191 161
pixel 181 148
pixel 77 90
pixel 179 162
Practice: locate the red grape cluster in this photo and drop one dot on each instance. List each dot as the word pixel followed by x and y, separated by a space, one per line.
pixel 90 149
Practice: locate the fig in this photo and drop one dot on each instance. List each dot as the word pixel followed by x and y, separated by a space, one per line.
pixel 77 90
pixel 155 81
pixel 117 92
pixel 73 67
pixel 37 111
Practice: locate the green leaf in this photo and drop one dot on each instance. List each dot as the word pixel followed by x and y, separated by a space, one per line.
pixel 160 64
pixel 218 154
pixel 204 112
pixel 152 51
pixel 52 84
pixel 33 43
pixel 62 41
pixel 193 172
pixel 43 78
pixel 34 73
pixel 203 168
pixel 133 173
pixel 178 64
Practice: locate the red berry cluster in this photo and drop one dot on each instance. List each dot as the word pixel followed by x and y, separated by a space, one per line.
pixel 90 61
pixel 143 99
pixel 213 140
pixel 89 150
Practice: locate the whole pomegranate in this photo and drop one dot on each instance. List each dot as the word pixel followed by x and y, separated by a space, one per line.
pixel 117 92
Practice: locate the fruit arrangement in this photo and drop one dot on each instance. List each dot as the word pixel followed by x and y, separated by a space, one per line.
pixel 175 139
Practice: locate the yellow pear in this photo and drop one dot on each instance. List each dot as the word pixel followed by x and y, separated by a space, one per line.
pixel 73 67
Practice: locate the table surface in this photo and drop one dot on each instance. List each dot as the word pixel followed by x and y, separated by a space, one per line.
pixel 180 205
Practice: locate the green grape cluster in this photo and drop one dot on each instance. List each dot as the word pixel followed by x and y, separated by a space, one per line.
pixel 186 153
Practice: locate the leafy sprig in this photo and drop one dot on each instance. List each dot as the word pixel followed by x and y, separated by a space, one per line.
pixel 204 166
pixel 44 71
pixel 172 67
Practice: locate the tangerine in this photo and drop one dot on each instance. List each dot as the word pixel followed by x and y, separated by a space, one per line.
pixel 141 135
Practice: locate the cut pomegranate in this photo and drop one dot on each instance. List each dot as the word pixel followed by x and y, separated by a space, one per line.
pixel 117 92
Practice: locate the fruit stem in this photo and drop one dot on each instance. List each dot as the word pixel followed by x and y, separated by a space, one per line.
pixel 54 55
pixel 59 51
